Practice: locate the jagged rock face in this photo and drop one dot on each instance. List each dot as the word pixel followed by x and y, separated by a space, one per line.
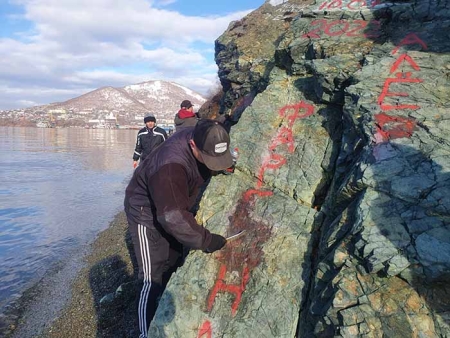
pixel 245 53
pixel 342 183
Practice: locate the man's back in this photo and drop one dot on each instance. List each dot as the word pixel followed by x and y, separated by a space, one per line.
pixel 174 150
pixel 182 123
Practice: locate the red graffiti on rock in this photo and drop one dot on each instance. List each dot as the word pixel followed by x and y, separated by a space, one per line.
pixel 352 5
pixel 404 58
pixel 410 39
pixel 392 127
pixel 243 255
pixel 350 28
pixel 235 289
pixel 400 78
pixel 205 330
pixel 285 136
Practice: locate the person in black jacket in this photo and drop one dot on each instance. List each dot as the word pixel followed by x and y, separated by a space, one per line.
pixel 158 201
pixel 148 138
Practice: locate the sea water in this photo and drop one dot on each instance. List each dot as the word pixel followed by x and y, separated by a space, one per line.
pixel 59 187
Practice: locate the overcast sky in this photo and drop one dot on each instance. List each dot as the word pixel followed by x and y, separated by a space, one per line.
pixel 54 50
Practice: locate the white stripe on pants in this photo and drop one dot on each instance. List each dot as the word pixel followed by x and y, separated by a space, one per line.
pixel 146 265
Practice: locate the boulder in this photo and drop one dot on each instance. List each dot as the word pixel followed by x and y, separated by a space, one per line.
pixel 342 183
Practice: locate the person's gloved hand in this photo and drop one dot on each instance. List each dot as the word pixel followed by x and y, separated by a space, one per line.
pixel 217 243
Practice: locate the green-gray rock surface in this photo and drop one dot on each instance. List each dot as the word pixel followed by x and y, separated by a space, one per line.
pixel 341 112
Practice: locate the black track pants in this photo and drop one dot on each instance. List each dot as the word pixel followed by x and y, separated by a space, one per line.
pixel 157 258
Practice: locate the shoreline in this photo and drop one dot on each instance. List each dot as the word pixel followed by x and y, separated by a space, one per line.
pixel 89 295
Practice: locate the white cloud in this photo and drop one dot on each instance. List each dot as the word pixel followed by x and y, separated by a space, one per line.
pixel 128 19
pixel 84 44
pixel 35 95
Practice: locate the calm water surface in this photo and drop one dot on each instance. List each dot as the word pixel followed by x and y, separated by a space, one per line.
pixel 58 189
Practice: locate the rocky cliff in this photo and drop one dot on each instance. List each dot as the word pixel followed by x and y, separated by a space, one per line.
pixel 343 180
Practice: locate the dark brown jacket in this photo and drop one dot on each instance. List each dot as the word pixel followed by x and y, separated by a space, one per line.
pixel 164 188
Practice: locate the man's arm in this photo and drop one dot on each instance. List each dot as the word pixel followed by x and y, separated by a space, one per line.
pixel 161 133
pixel 164 133
pixel 137 149
pixel 169 191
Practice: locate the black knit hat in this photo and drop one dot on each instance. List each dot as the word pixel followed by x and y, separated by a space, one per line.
pixel 149 118
pixel 213 141
pixel 186 104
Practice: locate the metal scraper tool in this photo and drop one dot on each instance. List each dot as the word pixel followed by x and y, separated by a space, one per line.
pixel 235 236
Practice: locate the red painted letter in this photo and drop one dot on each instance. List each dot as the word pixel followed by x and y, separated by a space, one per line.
pixel 401 78
pixel 236 290
pixel 404 57
pixel 205 330
pixel 410 39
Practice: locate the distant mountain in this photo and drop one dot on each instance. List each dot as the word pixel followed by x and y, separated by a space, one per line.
pixel 109 106
pixel 163 97
pixel 158 97
pixel 106 98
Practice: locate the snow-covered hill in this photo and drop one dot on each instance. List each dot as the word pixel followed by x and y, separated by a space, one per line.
pixel 161 98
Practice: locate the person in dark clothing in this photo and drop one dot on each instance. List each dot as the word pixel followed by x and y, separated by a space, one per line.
pixel 148 138
pixel 185 116
pixel 158 201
